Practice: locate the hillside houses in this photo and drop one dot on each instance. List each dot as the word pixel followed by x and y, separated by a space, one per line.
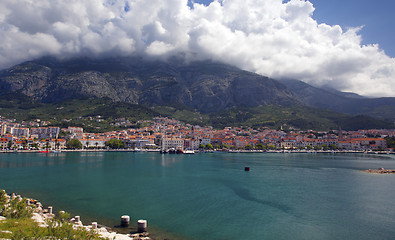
pixel 164 133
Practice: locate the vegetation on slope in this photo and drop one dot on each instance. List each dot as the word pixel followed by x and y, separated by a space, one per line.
pixel 19 224
pixel 94 115
pixel 276 117
pixel 100 115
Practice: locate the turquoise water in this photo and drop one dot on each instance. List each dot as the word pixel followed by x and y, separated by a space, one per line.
pixel 210 196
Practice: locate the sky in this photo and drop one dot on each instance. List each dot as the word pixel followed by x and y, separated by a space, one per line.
pixel 346 45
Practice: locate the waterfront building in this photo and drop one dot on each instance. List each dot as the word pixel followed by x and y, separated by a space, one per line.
pixel 176 143
pixel 3 143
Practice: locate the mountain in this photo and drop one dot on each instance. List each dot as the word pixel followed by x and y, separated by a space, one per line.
pixel 70 92
pixel 350 103
pixel 205 86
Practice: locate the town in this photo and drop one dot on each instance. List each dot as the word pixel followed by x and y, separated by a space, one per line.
pixel 162 134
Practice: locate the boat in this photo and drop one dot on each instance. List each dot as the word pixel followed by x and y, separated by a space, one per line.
pixel 46 151
pixel 163 151
pixel 189 152
pixel 180 151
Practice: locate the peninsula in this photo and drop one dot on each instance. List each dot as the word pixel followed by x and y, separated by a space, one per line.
pixel 381 171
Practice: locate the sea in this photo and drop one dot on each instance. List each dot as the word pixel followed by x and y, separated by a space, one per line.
pixel 210 196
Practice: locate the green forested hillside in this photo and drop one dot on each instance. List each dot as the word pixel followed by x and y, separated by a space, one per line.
pixel 99 115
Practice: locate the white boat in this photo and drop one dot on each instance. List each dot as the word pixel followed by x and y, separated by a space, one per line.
pixel 189 152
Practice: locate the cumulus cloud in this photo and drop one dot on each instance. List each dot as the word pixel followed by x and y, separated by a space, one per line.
pixel 270 37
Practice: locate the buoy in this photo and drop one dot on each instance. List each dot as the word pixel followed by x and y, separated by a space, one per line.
pixel 141 226
pixel 125 219
pixel 247 169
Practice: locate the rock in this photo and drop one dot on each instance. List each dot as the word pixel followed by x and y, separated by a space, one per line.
pixel 205 85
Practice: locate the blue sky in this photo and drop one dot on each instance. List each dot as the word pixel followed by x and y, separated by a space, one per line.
pixel 377 17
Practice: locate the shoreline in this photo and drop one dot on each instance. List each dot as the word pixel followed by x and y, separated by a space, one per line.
pixel 205 151
pixel 380 171
pixel 41 214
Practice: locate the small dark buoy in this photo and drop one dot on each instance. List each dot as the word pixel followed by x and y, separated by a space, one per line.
pixel 247 169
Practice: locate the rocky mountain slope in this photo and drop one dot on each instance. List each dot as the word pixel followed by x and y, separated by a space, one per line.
pixel 205 86
pixel 202 86
pixel 341 102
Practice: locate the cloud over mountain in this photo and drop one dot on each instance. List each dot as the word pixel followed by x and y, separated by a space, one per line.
pixel 271 37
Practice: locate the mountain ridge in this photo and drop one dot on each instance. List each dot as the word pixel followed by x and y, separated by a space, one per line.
pixel 350 103
pixel 216 92
pixel 205 86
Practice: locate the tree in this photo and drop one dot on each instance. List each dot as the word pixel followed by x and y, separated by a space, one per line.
pixel 34 145
pixel 115 144
pixel 202 146
pixel 248 147
pixel 209 146
pixel 74 144
pixel 333 147
pixel 260 146
pixel 390 142
pixel 271 147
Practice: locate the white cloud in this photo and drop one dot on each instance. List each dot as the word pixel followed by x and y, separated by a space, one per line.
pixel 269 37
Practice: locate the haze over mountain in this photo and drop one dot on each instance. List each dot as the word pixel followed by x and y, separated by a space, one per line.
pixel 275 38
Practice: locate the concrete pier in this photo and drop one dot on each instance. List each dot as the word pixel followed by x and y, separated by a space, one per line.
pixel 94 225
pixel 141 226
pixel 125 219
pixel 50 210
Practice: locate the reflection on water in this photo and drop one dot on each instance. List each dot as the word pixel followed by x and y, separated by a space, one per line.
pixel 168 159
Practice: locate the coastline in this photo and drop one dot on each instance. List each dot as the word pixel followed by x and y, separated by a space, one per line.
pixel 380 171
pixel 205 151
pixel 42 214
